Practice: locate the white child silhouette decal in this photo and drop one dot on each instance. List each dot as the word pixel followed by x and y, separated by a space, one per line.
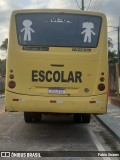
pixel 27 29
pixel 88 31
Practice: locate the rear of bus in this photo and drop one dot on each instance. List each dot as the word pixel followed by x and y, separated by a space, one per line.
pixel 57 63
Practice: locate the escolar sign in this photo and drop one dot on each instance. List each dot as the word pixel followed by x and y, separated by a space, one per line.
pixel 56 76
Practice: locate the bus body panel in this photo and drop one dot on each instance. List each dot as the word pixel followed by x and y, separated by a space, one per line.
pixel 76 70
pixel 40 76
pixel 24 103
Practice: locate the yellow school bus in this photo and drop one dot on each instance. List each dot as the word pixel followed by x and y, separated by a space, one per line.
pixel 57 63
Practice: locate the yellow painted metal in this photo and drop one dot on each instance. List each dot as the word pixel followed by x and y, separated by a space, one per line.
pixel 90 64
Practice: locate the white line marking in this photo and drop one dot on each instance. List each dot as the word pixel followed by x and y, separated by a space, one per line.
pixel 98 144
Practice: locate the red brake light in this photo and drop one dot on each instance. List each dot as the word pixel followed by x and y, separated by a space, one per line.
pixel 101 87
pixel 12 84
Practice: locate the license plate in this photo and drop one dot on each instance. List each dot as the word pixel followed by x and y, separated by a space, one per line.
pixel 56 91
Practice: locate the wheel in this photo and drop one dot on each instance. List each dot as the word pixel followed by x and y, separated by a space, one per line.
pixel 77 118
pixel 37 116
pixel 86 118
pixel 28 117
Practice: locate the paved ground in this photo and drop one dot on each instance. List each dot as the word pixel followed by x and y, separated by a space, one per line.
pixel 2 105
pixel 54 133
pixel 112 120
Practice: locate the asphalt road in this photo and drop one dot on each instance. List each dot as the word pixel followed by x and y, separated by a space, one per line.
pixel 1 102
pixel 54 133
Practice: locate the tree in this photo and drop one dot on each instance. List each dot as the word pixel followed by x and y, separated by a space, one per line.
pixel 112 56
pixel 2 67
pixel 110 43
pixel 4 45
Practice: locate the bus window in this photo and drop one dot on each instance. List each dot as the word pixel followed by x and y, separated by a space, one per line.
pixel 64 30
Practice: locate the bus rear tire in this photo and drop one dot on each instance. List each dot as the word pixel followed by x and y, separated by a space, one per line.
pixel 37 116
pixel 86 118
pixel 28 117
pixel 32 117
pixel 82 118
pixel 77 118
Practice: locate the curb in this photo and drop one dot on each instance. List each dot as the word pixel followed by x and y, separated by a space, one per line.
pixel 107 127
pixel 114 101
pixel 103 119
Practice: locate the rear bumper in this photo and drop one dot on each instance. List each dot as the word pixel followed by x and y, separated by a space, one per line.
pixel 24 103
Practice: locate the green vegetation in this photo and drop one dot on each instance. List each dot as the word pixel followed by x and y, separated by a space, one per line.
pixel 3 47
pixel 2 67
pixel 112 55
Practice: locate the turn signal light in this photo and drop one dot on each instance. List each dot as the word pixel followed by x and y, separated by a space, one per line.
pixel 102 79
pixel 102 74
pixel 11 71
pixel 101 87
pixel 12 84
pixel 11 76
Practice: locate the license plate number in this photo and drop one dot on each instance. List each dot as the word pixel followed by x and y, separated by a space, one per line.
pixel 56 91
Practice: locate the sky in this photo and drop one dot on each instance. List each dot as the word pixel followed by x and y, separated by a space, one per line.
pixel 110 7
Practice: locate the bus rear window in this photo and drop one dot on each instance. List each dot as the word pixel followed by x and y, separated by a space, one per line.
pixel 58 30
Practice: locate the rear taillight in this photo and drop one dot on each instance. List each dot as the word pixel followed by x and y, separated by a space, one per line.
pixel 102 79
pixel 101 87
pixel 11 83
pixel 11 76
pixel 102 73
pixel 11 71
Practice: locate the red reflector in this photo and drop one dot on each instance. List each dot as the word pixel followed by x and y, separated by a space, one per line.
pixel 52 101
pixel 92 101
pixel 11 84
pixel 15 99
